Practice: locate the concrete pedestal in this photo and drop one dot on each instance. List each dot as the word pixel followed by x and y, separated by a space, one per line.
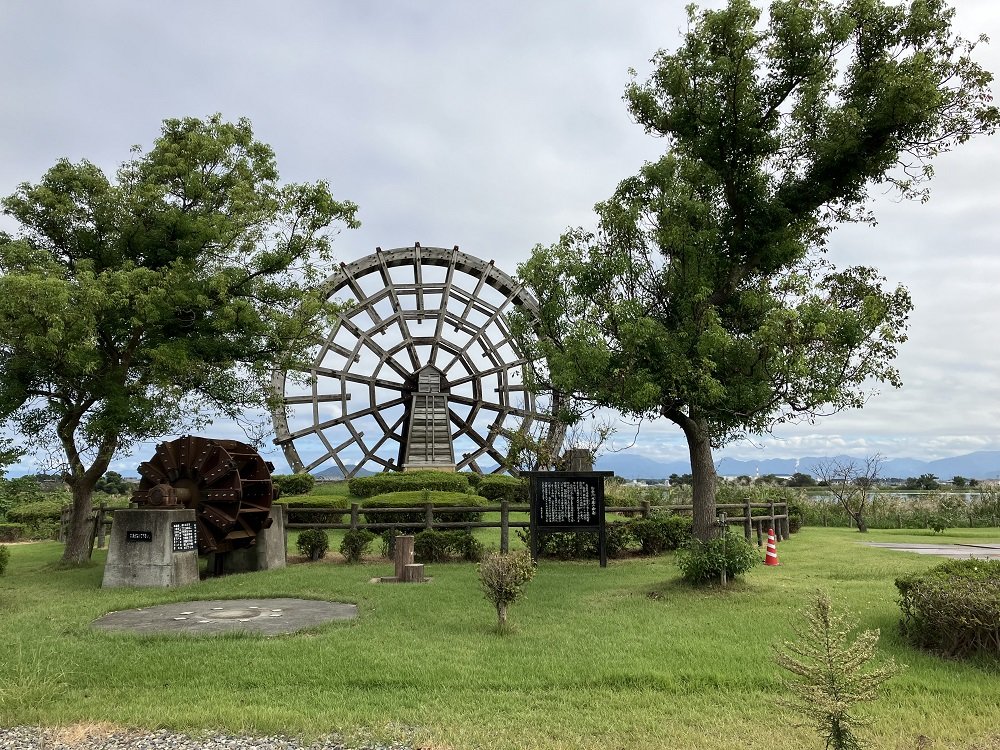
pixel 268 553
pixel 152 549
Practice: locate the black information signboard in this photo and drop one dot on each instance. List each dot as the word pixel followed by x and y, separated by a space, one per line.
pixel 568 501
pixel 138 536
pixel 185 536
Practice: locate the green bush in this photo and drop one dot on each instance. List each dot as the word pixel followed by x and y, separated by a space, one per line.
pixel 499 487
pixel 290 485
pixel 660 533
pixel 502 577
pixel 394 481
pixel 355 544
pixel 472 478
pixel 580 545
pixel 440 546
pixel 953 608
pixel 336 504
pixel 11 532
pixel 40 520
pixel 42 510
pixel 417 499
pixel 432 546
pixel 313 543
pixel 4 558
pixel 701 562
pixel 388 538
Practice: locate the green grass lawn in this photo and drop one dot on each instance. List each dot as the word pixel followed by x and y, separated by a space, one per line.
pixel 625 657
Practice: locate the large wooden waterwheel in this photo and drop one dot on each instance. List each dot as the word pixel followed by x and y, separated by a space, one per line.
pixel 225 482
pixel 420 371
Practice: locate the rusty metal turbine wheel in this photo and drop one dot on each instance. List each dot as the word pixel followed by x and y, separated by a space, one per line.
pixel 420 372
pixel 225 482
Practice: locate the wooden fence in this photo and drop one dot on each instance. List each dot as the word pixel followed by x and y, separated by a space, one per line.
pixel 753 523
pixel 776 517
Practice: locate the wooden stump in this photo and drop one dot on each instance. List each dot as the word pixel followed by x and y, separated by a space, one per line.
pixel 403 554
pixel 413 573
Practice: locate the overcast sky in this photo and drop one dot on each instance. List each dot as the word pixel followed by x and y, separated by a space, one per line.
pixel 493 126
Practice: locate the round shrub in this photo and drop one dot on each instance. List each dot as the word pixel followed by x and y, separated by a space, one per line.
pixel 397 481
pixel 417 499
pixel 440 546
pixel 355 544
pixel 659 534
pixel 502 577
pixel 313 543
pixel 4 558
pixel 953 608
pixel 502 487
pixel 290 485
pixel 701 562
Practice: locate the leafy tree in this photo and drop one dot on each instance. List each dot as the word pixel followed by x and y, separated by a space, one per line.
pixel 679 479
pixel 959 481
pixel 141 305
pixel 923 482
pixel 798 479
pixel 704 296
pixel 851 483
pixel 112 483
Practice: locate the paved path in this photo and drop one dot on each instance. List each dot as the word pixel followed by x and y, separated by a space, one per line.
pixel 954 551
pixel 263 616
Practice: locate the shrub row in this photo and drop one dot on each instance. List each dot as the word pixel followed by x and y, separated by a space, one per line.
pixel 417 499
pixel 393 481
pixel 953 608
pixel 4 558
pixel 499 487
pixel 652 535
pixel 336 505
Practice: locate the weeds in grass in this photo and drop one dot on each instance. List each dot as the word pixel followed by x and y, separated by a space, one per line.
pixel 31 679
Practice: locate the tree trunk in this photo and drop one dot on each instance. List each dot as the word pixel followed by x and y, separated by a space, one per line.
pixel 81 525
pixel 703 477
pixel 862 526
pixel 502 615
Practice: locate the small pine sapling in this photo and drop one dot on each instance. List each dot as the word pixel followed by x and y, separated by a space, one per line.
pixel 833 673
pixel 502 576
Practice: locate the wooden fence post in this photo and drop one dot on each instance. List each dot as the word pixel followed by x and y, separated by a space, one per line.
pixel 101 510
pixel 428 516
pixel 354 516
pixel 504 525
pixel 747 520
pixel 645 508
pixel 774 523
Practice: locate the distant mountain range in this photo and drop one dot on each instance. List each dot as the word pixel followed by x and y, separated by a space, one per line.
pixel 978 465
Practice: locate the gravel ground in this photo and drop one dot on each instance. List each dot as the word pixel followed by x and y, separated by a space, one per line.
pixel 35 738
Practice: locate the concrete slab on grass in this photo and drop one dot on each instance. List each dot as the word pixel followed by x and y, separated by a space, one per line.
pixel 259 616
pixel 953 551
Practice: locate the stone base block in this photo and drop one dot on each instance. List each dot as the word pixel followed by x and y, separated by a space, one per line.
pixel 152 549
pixel 268 553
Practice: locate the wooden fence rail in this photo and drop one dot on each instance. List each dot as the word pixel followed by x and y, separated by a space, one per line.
pixel 776 517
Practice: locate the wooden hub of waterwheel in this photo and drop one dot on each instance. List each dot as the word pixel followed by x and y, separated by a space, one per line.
pixel 225 482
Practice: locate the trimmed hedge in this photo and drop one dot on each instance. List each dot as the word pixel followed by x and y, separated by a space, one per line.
pixel 43 510
pixel 394 481
pixel 11 532
pixel 336 504
pixel 417 499
pixel 502 487
pixel 662 533
pixel 4 559
pixel 578 545
pixel 290 485
pixel 953 608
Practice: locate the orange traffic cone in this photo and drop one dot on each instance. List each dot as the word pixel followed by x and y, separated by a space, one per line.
pixel 771 557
